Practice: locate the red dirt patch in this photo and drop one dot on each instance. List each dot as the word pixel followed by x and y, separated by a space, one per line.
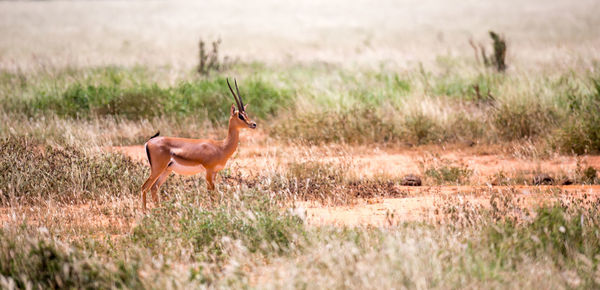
pixel 370 162
pixel 389 211
pixel 418 205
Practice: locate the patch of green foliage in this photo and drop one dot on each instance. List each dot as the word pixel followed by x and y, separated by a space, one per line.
pixel 580 131
pixel 354 126
pixel 39 262
pixel 113 93
pixel 516 121
pixel 327 104
pixel 253 220
pixel 448 174
pixel 571 240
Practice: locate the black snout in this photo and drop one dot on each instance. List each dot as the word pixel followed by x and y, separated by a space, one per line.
pixel 253 125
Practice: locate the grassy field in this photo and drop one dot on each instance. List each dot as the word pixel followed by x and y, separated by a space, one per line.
pixel 333 86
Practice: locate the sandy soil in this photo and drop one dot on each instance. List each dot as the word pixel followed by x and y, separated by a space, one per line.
pixel 421 202
pixel 368 161
pixel 390 211
pixel 421 205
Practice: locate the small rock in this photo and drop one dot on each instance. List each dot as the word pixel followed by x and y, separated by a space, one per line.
pixel 411 180
pixel 469 143
pixel 567 181
pixel 543 179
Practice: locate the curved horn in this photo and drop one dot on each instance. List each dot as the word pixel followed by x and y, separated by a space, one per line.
pixel 239 96
pixel 234 96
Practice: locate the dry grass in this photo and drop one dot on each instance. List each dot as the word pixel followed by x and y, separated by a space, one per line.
pixel 349 98
pixel 251 233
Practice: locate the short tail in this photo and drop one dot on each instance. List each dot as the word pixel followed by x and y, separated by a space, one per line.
pixel 147 151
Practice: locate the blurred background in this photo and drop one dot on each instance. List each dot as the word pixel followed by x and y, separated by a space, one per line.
pixel 397 33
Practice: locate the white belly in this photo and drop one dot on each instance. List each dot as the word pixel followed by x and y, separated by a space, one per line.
pixel 186 170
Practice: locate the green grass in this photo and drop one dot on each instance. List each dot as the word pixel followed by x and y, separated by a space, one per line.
pixel 317 105
pixel 252 232
pixel 46 263
pixel 228 244
pixel 580 132
pixel 205 98
pixel 443 172
pixel 252 220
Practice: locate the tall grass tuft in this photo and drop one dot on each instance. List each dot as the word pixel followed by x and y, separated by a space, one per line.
pixel 580 131
pixel 44 263
pixel 249 218
pixel 30 171
pixel 353 126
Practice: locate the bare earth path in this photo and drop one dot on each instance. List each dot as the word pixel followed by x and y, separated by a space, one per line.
pixel 369 161
pixel 388 211
pixel 419 205
pixel 422 201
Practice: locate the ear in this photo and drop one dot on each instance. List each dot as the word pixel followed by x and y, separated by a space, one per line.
pixel 245 106
pixel 233 109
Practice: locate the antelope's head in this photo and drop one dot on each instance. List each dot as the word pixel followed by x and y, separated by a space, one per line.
pixel 239 118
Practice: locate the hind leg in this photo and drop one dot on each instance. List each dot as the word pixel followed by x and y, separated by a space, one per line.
pixel 154 175
pixel 159 182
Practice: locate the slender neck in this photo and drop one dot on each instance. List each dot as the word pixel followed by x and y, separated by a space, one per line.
pixel 232 139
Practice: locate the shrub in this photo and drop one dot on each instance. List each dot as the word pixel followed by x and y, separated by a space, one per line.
pixel 209 61
pixel 498 59
pixel 448 174
pixel 514 121
pixel 499 51
pixel 580 132
pixel 420 129
pixel 354 126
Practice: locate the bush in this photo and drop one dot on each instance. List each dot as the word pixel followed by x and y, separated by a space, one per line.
pixel 514 121
pixel 83 101
pixel 420 129
pixel 580 132
pixel 448 174
pixel 353 126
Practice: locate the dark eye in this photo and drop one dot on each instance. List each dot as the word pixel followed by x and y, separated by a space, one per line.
pixel 241 117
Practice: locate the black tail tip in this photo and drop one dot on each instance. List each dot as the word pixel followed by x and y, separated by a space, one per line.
pixel 155 135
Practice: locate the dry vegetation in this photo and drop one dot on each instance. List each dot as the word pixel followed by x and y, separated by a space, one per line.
pixel 349 98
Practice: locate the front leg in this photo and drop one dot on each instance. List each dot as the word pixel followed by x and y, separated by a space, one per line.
pixel 210 175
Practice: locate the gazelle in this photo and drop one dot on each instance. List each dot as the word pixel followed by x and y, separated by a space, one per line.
pixel 192 156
